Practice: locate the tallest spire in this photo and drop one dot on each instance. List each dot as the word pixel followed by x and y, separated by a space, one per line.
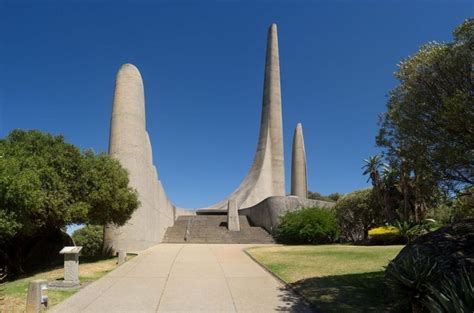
pixel 272 108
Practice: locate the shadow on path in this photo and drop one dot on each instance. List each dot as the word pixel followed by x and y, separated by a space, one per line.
pixel 293 302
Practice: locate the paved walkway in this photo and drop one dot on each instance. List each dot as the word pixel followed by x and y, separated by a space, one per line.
pixel 186 278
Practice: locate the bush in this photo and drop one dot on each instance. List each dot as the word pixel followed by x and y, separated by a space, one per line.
pixel 356 213
pixel 91 238
pixel 385 235
pixel 308 226
pixel 407 281
pixel 453 295
pixel 411 231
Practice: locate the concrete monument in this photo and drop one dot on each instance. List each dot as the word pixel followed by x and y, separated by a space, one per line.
pixel 299 176
pixel 130 144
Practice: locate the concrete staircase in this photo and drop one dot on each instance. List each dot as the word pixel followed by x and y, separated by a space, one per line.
pixel 213 229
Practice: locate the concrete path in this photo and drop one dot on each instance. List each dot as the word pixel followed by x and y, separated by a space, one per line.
pixel 186 278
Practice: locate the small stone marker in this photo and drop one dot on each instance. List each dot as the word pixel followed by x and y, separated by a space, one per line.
pixel 122 257
pixel 71 268
pixel 233 223
pixel 36 298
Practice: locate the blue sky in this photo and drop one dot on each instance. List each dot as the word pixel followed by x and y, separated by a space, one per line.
pixel 202 65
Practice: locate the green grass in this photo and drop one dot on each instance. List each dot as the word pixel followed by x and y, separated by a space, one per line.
pixel 333 278
pixel 90 269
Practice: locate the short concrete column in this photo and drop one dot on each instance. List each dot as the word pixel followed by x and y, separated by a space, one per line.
pixel 36 299
pixel 122 257
pixel 233 223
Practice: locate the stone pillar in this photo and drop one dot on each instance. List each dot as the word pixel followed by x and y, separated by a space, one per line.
pixel 233 223
pixel 71 267
pixel 299 177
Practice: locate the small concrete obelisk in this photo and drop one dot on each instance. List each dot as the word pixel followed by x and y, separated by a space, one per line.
pixel 299 177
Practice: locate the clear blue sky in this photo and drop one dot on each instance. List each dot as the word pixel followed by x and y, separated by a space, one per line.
pixel 202 66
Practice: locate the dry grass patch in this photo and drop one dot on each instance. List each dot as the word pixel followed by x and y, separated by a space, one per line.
pixel 89 270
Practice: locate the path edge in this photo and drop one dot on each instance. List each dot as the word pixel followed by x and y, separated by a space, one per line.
pixel 296 292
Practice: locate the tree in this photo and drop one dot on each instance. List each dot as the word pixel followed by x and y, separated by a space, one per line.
pixel 90 238
pixel 46 184
pixel 357 212
pixel 333 197
pixel 428 129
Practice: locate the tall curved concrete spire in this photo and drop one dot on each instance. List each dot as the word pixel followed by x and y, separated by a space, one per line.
pixel 130 144
pixel 299 176
pixel 267 175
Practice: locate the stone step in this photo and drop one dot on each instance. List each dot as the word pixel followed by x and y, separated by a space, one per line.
pixel 213 229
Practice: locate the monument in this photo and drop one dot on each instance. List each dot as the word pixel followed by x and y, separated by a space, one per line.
pixel 71 268
pixel 299 176
pixel 130 144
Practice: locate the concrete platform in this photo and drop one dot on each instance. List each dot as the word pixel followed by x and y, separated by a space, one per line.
pixel 186 278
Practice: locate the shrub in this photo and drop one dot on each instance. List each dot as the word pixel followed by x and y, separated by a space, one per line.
pixel 455 294
pixel 407 281
pixel 308 226
pixel 411 231
pixel 91 238
pixel 356 213
pixel 385 235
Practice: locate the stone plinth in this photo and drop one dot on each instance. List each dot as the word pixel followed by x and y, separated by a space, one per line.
pixel 71 268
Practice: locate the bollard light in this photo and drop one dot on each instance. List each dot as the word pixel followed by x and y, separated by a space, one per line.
pixel 36 296
pixel 44 294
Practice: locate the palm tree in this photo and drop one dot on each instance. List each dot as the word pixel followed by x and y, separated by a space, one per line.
pixel 371 168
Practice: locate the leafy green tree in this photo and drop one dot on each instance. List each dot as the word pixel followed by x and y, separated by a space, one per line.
pixel 333 197
pixel 91 238
pixel 428 130
pixel 46 184
pixel 357 212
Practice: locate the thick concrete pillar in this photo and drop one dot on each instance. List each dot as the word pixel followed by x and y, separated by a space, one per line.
pixel 299 177
pixel 129 143
pixel 233 223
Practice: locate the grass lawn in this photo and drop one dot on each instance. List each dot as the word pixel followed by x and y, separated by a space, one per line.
pixel 333 278
pixel 90 269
